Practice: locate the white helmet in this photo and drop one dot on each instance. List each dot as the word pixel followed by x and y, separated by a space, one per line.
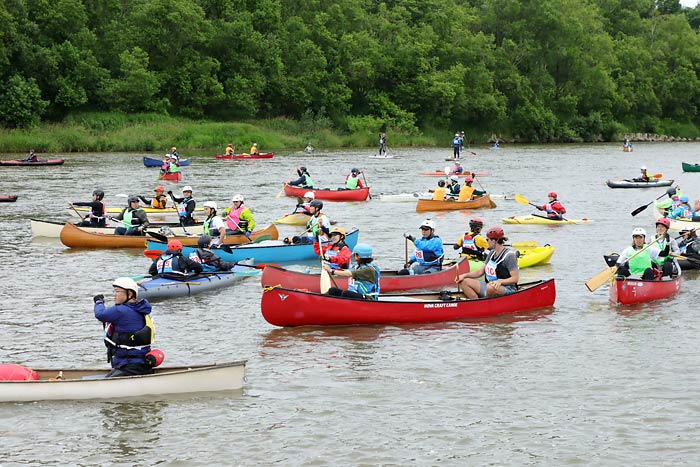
pixel 237 198
pixel 644 167
pixel 188 188
pixel 126 283
pixel 310 195
pixel 428 223
pixel 639 231
pixel 454 178
pixel 210 204
pixel 255 144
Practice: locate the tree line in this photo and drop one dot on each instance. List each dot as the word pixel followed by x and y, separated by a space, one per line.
pixel 530 70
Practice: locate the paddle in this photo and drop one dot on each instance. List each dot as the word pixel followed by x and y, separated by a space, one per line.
pixel 157 236
pixel 326 278
pixel 366 185
pixel 606 274
pixel 520 199
pixel 70 205
pixel 670 192
pixel 491 202
pixel 657 176
pixel 281 191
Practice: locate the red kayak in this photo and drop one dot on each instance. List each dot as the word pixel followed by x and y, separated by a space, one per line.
pixel 172 177
pixel 18 162
pixel 628 291
pixel 290 307
pixel 274 275
pixel 264 155
pixel 8 199
pixel 359 194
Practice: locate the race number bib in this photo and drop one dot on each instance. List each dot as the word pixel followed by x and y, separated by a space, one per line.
pixel 181 210
pixel 419 254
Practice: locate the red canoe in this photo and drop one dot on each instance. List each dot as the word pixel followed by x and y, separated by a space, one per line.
pixel 8 199
pixel 359 194
pixel 173 176
pixel 289 307
pixel 264 155
pixel 628 291
pixel 274 275
pixel 18 162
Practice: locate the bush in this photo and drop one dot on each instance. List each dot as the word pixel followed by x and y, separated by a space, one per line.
pixel 21 105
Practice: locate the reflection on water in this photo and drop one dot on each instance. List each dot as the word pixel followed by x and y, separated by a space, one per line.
pixel 131 429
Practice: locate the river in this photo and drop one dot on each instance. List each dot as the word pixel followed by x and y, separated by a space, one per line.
pixel 583 383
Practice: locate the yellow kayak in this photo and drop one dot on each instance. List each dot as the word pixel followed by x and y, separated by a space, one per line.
pixel 296 218
pixel 541 220
pixel 529 257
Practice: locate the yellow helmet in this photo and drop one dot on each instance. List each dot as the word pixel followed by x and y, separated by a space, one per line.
pixel 173 148
pixel 338 230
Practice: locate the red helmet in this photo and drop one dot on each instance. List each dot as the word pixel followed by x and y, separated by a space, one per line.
pixel 665 222
pixel 553 194
pixel 155 357
pixel 159 189
pixel 468 178
pixel 495 233
pixel 175 245
pixel 476 222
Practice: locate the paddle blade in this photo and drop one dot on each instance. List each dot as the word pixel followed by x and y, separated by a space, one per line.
pixel 153 254
pixel 639 209
pixel 447 170
pixel 520 199
pixel 280 193
pixel 325 281
pixel 601 278
pixel 657 175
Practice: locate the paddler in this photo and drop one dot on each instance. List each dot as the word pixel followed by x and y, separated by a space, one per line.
pixel 239 219
pixel 185 206
pixel 133 218
pixel 641 264
pixel 365 276
pixel 159 200
pixel 555 210
pixel 429 253
pixel 472 243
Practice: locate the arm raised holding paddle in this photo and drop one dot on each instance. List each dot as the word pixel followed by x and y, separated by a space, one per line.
pixel 670 192
pixel 555 210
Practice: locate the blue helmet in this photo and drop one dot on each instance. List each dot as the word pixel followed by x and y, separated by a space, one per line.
pixel 684 199
pixel 362 250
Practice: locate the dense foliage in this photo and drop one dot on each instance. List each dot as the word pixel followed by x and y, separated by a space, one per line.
pixel 532 70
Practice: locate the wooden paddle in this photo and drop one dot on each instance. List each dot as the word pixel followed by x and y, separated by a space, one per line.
pixel 492 205
pixel 70 205
pixel 670 192
pixel 366 185
pixel 326 278
pixel 606 274
pixel 520 199
pixel 281 191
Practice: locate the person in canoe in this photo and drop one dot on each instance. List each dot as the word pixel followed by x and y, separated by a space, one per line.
pixel 453 188
pixel 134 219
pixel 429 253
pixel 468 192
pixel 500 270
pixel 336 253
pixel 254 150
pixel 230 150
pixel 207 258
pixel 309 149
pixel 32 156
pixel 555 210
pixel 185 206
pixel 365 275
pixel 305 206
pixel 239 219
pixel 458 169
pixel 128 329
pixel 97 216
pixel 439 193
pixel 174 164
pixel 165 166
pixel 159 200
pixel 683 210
pixel 174 153
pixel 317 225
pixel 456 146
pixel 172 264
pixel 472 243
pixel 667 247
pixel 213 225
pixel 643 175
pixel 627 146
pixel 642 264
pixel 304 180
pixel 352 180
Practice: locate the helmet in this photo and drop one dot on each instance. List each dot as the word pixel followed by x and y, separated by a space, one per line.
pixel 683 199
pixel 675 198
pixel 441 183
pixel 355 171
pixel 665 222
pixel 204 241
pixel 99 193
pixel 476 222
pixel 237 197
pixel 167 156
pixel 362 250
pixel 309 194
pixel 458 163
pixel 255 144
pixel 495 233
pixel 155 357
pixel 456 134
pixel 175 245
pixel 188 188
pixel 126 283
pixel 644 167
pixel 639 231
pixel 31 150
pixel 159 189
pixel 209 204
pixel 428 223
pixel 230 145
pixel 317 203
pixel 173 149
pixel 338 230
pixel 132 199
pixel 468 179
pixel 302 168
pixel 454 178
pixel 553 194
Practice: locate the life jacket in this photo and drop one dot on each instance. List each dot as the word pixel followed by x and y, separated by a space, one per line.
pixel 370 290
pixel 98 216
pixel 206 227
pixel 551 213
pixel 182 207
pixel 315 223
pixel 233 220
pixel 308 183
pixel 332 251
pixel 128 344
pixel 456 142
pixel 195 255
pixel 129 219
pixel 465 193
pixel 493 266
pixel 254 150
pixel 469 244
pixel 174 167
pixel 165 166
pixel 640 263
pixel 229 151
pixel 159 202
pixel 351 183
pixel 168 263
pixel 439 194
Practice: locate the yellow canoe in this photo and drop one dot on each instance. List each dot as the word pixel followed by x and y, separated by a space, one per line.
pixel 439 205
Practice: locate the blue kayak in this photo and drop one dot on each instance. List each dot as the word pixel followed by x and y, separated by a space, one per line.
pixel 150 162
pixel 160 287
pixel 268 251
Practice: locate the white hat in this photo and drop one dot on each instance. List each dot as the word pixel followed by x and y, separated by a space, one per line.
pixel 310 195
pixel 188 188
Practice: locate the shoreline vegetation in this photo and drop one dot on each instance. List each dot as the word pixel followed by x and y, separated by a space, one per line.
pixel 154 133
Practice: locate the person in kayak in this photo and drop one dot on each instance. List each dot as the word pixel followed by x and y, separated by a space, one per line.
pixel 134 219
pixel 500 270
pixel 304 180
pixel 642 264
pixel 185 206
pixel 229 150
pixel 98 212
pixel 472 243
pixel 32 156
pixel 555 210
pixel 336 253
pixel 667 247
pixel 207 258
pixel 213 225
pixel 172 264
pixel 429 253
pixel 317 225
pixel 254 150
pixel 239 219
pixel 365 276
pixel 128 329
pixel 159 200
pixel 352 180
pixel 643 176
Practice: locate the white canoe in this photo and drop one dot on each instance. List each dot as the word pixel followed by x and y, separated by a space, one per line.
pixel 677 224
pixel 52 229
pixel 227 376
pixel 168 214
